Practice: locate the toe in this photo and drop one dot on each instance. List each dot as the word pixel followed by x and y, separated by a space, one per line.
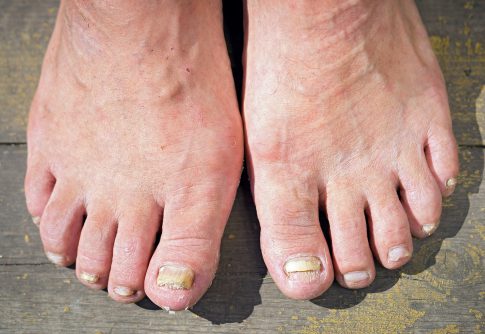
pixel 292 242
pixel 352 257
pixel 132 249
pixel 61 224
pixel 442 157
pixel 186 259
pixel 389 227
pixel 39 183
pixel 420 195
pixel 95 250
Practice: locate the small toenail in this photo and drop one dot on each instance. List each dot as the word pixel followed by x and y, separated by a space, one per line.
pixel 307 265
pixel 123 291
pixel 356 276
pixel 428 229
pixel 451 183
pixel 175 277
pixel 166 308
pixel 55 258
pixel 36 220
pixel 89 278
pixel 397 253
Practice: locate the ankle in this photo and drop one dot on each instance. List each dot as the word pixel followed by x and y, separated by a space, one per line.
pixel 306 19
pixel 131 23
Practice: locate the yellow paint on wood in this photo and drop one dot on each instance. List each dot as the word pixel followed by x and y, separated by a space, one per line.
pixel 448 329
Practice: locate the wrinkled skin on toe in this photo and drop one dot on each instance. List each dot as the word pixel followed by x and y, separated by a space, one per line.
pixel 345 109
pixel 135 122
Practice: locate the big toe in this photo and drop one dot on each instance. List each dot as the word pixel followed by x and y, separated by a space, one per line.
pixel 186 259
pixel 292 241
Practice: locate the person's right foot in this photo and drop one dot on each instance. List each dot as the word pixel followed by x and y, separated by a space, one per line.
pixel 345 107
pixel 135 118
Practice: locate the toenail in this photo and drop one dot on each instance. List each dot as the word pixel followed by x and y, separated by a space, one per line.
pixel 175 277
pixel 123 291
pixel 356 276
pixel 55 258
pixel 166 308
pixel 397 253
pixel 302 265
pixel 89 278
pixel 428 229
pixel 36 220
pixel 451 183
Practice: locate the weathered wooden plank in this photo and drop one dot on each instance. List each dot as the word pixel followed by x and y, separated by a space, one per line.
pixel 457 29
pixel 25 28
pixel 443 288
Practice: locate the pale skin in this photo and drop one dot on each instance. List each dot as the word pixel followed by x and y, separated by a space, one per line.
pixel 135 126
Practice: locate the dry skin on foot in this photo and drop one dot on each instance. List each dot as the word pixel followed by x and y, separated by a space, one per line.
pixel 135 126
pixel 349 115
pixel 138 128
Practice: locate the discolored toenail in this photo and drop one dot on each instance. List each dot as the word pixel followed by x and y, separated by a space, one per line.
pixel 451 183
pixel 123 291
pixel 57 259
pixel 301 267
pixel 175 277
pixel 428 229
pixel 398 253
pixel 36 220
pixel 89 278
pixel 356 277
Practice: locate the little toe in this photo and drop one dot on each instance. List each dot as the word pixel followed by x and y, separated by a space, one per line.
pixel 352 257
pixel 39 183
pixel 390 233
pixel 292 242
pixel 442 157
pixel 95 250
pixel 420 196
pixel 61 224
pixel 132 249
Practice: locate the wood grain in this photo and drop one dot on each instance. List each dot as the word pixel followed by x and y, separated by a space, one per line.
pixel 441 291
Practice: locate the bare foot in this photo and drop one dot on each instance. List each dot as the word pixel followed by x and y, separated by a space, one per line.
pixel 345 108
pixel 135 119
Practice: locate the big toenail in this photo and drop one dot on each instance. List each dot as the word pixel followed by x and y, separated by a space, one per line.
pixel 397 253
pixel 123 291
pixel 356 276
pixel 89 278
pixel 428 229
pixel 451 183
pixel 36 220
pixel 175 277
pixel 55 258
pixel 308 265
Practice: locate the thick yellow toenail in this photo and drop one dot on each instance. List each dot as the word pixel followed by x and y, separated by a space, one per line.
pixel 428 229
pixel 175 277
pixel 451 183
pixel 36 220
pixel 303 264
pixel 397 253
pixel 356 276
pixel 123 291
pixel 55 258
pixel 89 278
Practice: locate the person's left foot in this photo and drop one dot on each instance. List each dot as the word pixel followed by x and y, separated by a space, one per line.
pixel 345 107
